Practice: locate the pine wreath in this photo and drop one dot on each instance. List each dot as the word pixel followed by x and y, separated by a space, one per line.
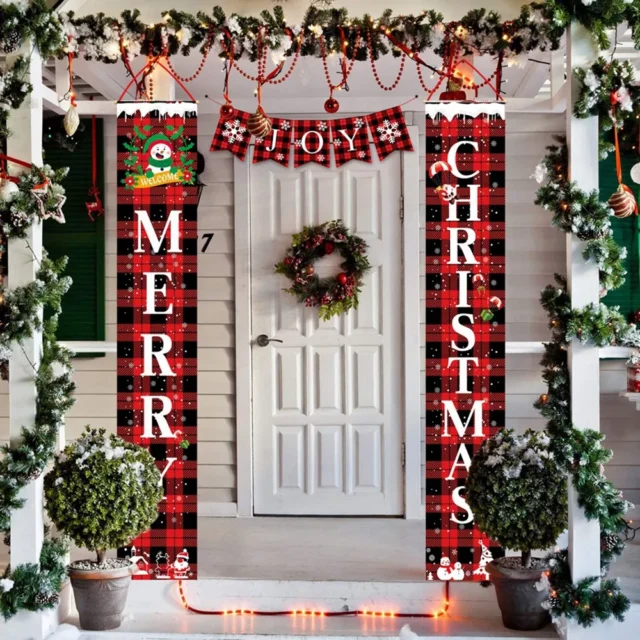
pixel 333 295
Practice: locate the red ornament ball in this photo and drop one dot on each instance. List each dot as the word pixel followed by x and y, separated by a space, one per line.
pixel 342 278
pixel 614 97
pixel 226 111
pixel 310 270
pixel 329 248
pixel 636 317
pixel 331 105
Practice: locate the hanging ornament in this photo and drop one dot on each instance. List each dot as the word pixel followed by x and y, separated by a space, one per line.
pixel 259 124
pixel 635 173
pixel 71 121
pixel 226 110
pixel 94 205
pixel 9 190
pixel 331 105
pixel 623 202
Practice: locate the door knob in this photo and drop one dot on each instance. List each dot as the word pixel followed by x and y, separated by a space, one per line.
pixel 263 340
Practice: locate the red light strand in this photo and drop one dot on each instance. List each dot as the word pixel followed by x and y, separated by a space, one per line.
pixel 315 613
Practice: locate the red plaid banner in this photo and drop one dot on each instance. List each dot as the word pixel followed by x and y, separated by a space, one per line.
pixel 350 140
pixel 232 135
pixel 311 142
pixel 389 132
pixel 277 145
pixel 157 321
pixel 465 323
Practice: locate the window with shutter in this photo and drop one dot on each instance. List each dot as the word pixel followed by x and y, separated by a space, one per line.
pixel 626 233
pixel 81 239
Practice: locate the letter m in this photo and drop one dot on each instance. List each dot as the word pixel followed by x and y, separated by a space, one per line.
pixel 172 226
pixel 450 411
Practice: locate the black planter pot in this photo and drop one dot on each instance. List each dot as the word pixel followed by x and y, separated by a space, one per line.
pixel 519 600
pixel 100 596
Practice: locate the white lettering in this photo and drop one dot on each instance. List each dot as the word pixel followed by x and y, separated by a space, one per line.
pixel 349 140
pixel 457 244
pixel 459 501
pixel 463 289
pixel 464 331
pixel 152 290
pixel 466 461
pixel 303 142
pixel 475 413
pixel 472 201
pixel 172 225
pixel 451 159
pixel 149 414
pixel 161 358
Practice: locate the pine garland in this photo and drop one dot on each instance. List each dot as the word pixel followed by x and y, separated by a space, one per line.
pixel 581 213
pixel 13 90
pixel 35 587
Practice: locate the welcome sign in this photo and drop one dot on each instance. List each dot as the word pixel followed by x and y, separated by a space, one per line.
pixel 465 323
pixel 157 321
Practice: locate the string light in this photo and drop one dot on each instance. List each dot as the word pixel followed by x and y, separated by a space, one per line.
pixel 365 612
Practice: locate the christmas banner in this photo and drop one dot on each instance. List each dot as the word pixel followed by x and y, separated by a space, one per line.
pixel 465 323
pixel 312 140
pixel 157 321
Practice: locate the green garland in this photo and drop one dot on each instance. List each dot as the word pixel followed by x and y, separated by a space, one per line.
pixel 31 586
pixel 33 201
pixel 13 90
pixel 581 213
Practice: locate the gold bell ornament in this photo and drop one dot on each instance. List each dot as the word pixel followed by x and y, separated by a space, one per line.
pixel 259 124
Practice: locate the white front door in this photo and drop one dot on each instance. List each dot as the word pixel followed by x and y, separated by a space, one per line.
pixel 327 429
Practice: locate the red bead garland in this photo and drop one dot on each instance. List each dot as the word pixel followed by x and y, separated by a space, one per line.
pixel 375 71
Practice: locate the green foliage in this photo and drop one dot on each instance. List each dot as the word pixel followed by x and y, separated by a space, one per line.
pixel 517 491
pixel 35 587
pixel 13 90
pixel 102 491
pixel 18 214
pixel 330 295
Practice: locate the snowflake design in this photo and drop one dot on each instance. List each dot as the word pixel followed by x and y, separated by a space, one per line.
pixel 321 157
pixel 362 154
pixel 298 143
pixel 337 142
pixel 359 122
pixel 280 156
pixel 388 131
pixel 259 140
pixel 322 126
pixel 285 125
pixel 233 131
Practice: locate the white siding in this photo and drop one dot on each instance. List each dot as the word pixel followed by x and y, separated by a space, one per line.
pixel 534 252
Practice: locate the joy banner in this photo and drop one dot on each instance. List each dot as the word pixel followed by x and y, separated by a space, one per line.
pixel 315 140
pixel 157 321
pixel 465 323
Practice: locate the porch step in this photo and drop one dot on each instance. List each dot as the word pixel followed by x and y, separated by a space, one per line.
pixel 193 627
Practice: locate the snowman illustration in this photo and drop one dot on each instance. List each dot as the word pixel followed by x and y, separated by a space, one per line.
pixel 160 152
pixel 180 566
pixel 458 571
pixel 444 570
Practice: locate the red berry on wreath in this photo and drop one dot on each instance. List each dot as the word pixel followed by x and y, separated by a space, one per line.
pixel 342 278
pixel 288 261
pixel 310 270
pixel 329 248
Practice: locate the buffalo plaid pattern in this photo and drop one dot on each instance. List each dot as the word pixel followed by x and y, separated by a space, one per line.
pixel 231 134
pixel 277 145
pixel 389 132
pixel 353 143
pixel 175 529
pixel 460 541
pixel 311 142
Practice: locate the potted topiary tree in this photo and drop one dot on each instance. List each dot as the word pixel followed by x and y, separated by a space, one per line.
pixel 102 492
pixel 518 495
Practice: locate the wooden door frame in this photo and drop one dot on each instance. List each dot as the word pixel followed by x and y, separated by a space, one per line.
pixel 410 269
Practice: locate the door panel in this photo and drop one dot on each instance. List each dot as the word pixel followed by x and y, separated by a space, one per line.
pixel 327 428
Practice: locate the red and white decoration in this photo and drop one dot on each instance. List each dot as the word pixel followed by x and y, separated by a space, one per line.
pixel 465 322
pixel 316 140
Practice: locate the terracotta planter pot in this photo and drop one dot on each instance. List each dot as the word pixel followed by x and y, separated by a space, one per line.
pixel 100 596
pixel 519 601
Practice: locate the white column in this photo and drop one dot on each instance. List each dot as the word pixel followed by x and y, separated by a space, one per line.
pixel 584 362
pixel 27 523
pixel 164 85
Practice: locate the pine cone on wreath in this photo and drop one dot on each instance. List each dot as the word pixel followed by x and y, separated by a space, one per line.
pixel 46 599
pixel 7 539
pixel 609 542
pixel 11 41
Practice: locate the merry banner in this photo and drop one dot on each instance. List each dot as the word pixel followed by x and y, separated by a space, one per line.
pixel 157 321
pixel 315 140
pixel 465 323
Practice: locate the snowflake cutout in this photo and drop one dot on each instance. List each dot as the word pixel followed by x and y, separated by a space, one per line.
pixel 259 140
pixel 280 156
pixel 234 131
pixel 286 125
pixel 321 157
pixel 389 131
pixel 322 126
pixel 298 143
pixel 337 142
pixel 362 154
pixel 359 122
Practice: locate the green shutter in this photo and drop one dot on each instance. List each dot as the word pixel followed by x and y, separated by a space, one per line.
pixel 80 239
pixel 625 232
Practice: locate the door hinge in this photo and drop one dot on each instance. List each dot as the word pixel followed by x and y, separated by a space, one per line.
pixel 404 454
pixel 401 207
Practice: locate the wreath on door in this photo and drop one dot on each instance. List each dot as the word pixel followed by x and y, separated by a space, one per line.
pixel 333 295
